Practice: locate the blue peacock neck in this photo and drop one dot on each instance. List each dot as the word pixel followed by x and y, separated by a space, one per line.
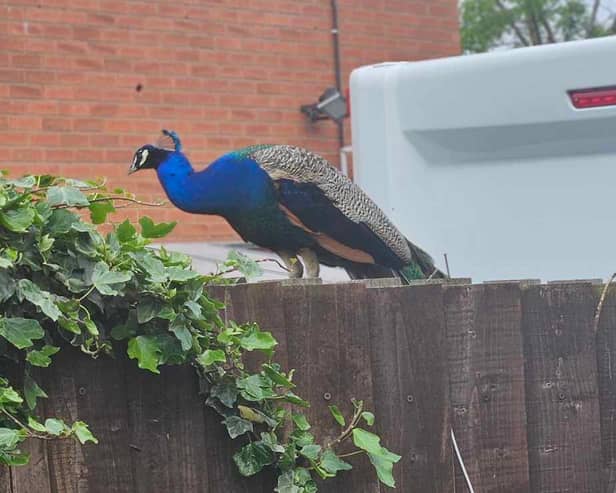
pixel 228 186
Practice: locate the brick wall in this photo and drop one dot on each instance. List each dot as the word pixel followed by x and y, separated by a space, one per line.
pixel 83 83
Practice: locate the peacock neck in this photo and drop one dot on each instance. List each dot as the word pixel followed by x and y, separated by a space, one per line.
pixel 226 187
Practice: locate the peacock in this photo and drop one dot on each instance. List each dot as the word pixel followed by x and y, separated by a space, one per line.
pixel 293 202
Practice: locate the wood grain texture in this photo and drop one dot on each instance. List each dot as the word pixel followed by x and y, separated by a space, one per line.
pixel 486 367
pixel 606 365
pixel 411 383
pixel 562 403
pixel 167 430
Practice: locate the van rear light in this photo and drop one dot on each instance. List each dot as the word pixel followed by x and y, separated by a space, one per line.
pixel 593 98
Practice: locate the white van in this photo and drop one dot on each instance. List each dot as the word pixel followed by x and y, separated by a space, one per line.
pixel 505 161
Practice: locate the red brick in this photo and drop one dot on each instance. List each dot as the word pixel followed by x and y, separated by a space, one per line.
pixel 223 74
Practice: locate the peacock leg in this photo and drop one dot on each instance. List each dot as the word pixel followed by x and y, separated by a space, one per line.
pixel 311 262
pixel 291 262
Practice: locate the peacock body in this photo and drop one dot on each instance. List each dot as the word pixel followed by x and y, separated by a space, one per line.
pixel 291 201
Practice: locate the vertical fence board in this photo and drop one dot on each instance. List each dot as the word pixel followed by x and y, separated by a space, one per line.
pixel 411 383
pixel 167 433
pixel 5 479
pixel 487 385
pixel 244 303
pixel 327 330
pixel 606 363
pixel 561 388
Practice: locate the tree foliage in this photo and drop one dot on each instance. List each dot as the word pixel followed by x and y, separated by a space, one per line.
pixel 64 285
pixel 488 24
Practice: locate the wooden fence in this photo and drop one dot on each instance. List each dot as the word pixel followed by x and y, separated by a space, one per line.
pixel 516 368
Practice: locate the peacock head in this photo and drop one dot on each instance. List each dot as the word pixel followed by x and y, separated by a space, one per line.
pixel 148 157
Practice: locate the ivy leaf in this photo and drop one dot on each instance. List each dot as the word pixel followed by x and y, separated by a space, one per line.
pixel 295 399
pixel 311 451
pixel 301 422
pixel 225 392
pixel 40 298
pixel 286 483
pixel 147 352
pixel 244 264
pixel 151 266
pixel 32 391
pixel 237 426
pixel 21 331
pixel 254 388
pixel 125 232
pixel 106 281
pixel 332 463
pixel 276 376
pixel 83 433
pixel 35 425
pixel 211 356
pixel 69 196
pixel 253 457
pixel 42 357
pixel 9 437
pixel 151 230
pixel 337 415
pixel 54 426
pixel 7 286
pixel 27 181
pixel 256 339
pixel 181 275
pixel 182 332
pixel 382 459
pixel 17 220
pixel 368 417
pixel 99 211
pixel 8 395
pixel 147 309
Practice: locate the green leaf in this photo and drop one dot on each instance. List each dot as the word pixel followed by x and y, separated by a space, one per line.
pixel 253 457
pixel 368 417
pixel 32 391
pixel 146 350
pixel 178 274
pixel 276 376
pixel 108 282
pixel 40 298
pixel 381 458
pixel 311 451
pixel 147 309
pixel 69 196
pixel 99 211
pixel 225 392
pixel 83 433
pixel 337 415
pixel 151 230
pixel 10 396
pixel 21 331
pixel 14 458
pixel 151 266
pixel 9 438
pixel 55 426
pixel 256 339
pixel 211 356
pixel 286 483
pixel 301 422
pixel 332 463
pixel 237 426
pixel 27 181
pixel 126 232
pixel 295 399
pixel 42 357
pixel 35 425
pixel 17 220
pixel 255 388
pixel 7 286
pixel 180 329
pixel 244 264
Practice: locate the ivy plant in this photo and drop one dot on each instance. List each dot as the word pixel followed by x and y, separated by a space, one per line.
pixel 64 284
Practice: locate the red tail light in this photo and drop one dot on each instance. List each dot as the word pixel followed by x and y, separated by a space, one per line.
pixel 593 98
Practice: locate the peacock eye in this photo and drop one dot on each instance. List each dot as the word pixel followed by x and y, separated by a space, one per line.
pixel 144 156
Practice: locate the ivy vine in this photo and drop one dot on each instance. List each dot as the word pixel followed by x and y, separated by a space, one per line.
pixel 63 283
